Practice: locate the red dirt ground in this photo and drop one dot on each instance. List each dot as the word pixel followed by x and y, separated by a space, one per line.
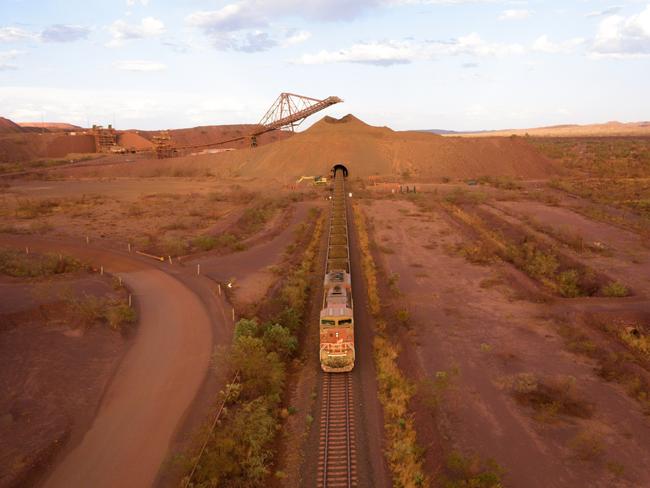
pixel 467 322
pixel 139 417
pixel 52 374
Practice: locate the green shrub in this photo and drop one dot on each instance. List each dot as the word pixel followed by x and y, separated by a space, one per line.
pixel 19 264
pixel 119 315
pixel 615 289
pixel 262 372
pixel 291 319
pixel 463 472
pixel 568 284
pixel 227 241
pixel 172 246
pixel 533 260
pixel 247 328
pixel 205 243
pixel 30 209
pixel 279 339
pixel 239 452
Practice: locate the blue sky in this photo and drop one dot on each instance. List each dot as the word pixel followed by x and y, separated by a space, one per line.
pixel 407 64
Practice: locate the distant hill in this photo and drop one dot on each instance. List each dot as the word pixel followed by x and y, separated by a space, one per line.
pixel 57 126
pixel 9 127
pixel 608 129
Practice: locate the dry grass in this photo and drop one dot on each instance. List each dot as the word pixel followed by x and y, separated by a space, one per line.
pixel 611 365
pixel 20 264
pixel 395 390
pixel 550 398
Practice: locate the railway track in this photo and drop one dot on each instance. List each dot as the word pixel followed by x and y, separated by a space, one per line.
pixel 337 464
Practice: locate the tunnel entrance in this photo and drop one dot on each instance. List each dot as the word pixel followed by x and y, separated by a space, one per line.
pixel 339 167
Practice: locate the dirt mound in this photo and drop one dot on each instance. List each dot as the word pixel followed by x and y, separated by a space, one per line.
pixel 9 127
pixel 29 146
pixel 366 150
pixel 133 140
pixel 54 126
pixel 204 135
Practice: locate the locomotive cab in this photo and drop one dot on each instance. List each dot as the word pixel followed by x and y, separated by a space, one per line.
pixel 337 324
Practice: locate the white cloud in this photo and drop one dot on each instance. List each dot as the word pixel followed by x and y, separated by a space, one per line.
pixel 131 3
pixel 139 65
pixel 144 109
pixel 441 2
pixel 232 17
pixel 515 14
pixel 5 59
pixel 122 31
pixel 296 37
pixel 622 37
pixel 52 33
pixel 15 34
pixel 607 11
pixel 386 53
pixel 544 45
pixel 64 33
pixel 251 15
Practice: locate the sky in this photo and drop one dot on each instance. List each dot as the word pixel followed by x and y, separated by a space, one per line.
pixel 406 64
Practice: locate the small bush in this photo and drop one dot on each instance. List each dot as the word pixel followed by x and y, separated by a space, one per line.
pixel 205 243
pixel 31 209
pixel 549 398
pixel 247 328
pixel 262 371
pixel 227 242
pixel 120 315
pixel 587 445
pixel 568 283
pixel 279 339
pixel 19 264
pixel 615 289
pixel 471 472
pixel 477 253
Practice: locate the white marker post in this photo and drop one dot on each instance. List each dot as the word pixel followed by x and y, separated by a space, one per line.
pixel 129 247
pixel 219 289
pixel 198 269
pixel 87 240
pixel 130 301
pixel 233 314
pixel 101 270
pixel 26 250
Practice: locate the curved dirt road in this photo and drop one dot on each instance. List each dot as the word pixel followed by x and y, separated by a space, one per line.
pixel 153 386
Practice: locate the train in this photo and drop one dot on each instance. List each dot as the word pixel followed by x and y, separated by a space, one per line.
pixel 337 353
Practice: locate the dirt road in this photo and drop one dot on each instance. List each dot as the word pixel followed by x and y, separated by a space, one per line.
pixel 153 387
